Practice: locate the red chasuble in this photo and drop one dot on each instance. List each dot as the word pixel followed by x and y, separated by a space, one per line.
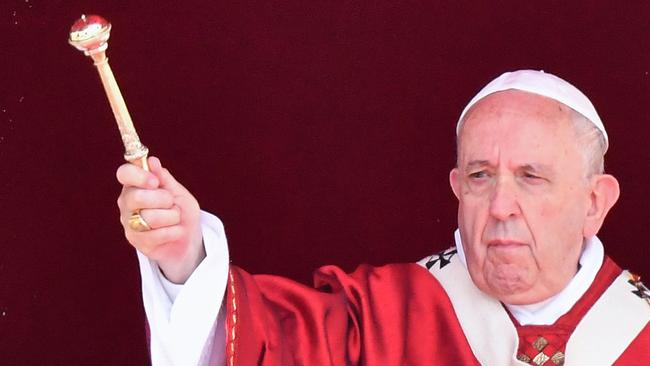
pixel 398 314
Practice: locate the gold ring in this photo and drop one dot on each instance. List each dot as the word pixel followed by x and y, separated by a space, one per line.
pixel 137 223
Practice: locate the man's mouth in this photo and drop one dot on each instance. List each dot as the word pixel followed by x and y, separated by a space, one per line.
pixel 505 243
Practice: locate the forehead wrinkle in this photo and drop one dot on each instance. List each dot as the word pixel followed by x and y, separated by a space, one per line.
pixel 492 160
pixel 479 141
pixel 477 164
pixel 532 167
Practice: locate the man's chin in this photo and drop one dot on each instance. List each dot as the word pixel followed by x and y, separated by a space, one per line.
pixel 510 286
pixel 522 295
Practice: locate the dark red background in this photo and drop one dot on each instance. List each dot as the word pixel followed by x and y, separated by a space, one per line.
pixel 320 132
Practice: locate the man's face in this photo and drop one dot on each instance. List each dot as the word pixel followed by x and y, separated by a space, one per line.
pixel 523 196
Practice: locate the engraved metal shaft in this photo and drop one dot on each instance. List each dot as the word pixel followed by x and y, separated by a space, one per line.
pixel 90 34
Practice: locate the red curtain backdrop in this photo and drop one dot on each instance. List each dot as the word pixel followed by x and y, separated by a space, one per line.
pixel 319 131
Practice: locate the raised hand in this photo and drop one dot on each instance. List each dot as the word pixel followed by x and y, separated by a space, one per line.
pixel 174 239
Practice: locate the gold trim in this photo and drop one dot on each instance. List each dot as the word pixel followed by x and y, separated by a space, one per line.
pixel 233 332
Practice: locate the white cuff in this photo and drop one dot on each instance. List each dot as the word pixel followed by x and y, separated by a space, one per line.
pixel 182 317
pixel 171 289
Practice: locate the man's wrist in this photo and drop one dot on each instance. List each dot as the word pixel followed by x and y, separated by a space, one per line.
pixel 178 272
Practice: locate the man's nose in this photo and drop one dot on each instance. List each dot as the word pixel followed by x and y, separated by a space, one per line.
pixel 504 203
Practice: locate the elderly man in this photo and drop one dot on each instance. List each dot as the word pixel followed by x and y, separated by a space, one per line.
pixel 526 283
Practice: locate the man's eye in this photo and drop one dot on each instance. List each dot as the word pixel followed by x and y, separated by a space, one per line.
pixel 478 175
pixel 533 179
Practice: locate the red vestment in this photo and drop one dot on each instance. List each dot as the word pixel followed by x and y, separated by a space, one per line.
pixel 398 314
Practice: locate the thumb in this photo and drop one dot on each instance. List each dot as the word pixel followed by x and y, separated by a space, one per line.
pixel 167 180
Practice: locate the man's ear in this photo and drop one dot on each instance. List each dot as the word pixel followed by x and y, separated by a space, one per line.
pixel 454 182
pixel 604 194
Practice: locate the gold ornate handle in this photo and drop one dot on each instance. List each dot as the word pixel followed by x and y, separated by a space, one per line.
pixel 90 34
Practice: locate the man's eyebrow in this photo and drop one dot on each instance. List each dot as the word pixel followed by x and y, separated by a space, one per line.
pixel 536 167
pixel 531 167
pixel 477 164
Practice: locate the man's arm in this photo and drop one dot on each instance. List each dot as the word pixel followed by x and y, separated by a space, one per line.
pixel 182 318
pixel 183 322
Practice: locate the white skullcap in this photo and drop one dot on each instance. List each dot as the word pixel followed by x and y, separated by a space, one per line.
pixel 541 83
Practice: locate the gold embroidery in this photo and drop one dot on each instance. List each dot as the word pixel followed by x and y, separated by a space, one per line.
pixel 558 358
pixel 523 358
pixel 540 359
pixel 231 348
pixel 540 343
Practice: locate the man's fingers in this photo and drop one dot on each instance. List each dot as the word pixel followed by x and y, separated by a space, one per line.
pixel 133 176
pixel 133 199
pixel 166 179
pixel 152 242
pixel 158 218
pixel 171 212
pixel 154 163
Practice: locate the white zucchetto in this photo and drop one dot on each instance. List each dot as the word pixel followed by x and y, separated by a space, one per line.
pixel 544 84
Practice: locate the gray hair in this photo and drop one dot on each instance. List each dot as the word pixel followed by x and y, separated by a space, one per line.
pixel 591 143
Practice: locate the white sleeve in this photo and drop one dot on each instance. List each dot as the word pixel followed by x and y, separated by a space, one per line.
pixel 184 319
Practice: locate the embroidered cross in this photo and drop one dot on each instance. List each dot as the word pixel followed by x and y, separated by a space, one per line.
pixel 640 289
pixel 444 257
